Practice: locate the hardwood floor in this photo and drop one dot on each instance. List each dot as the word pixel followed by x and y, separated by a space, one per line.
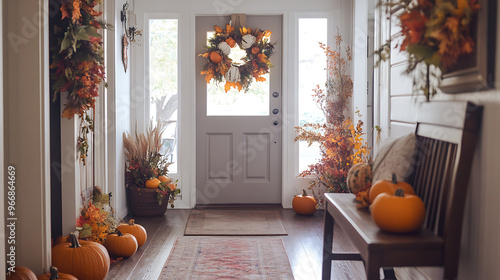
pixel 303 245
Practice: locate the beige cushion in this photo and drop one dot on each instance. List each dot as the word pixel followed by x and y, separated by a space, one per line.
pixel 396 156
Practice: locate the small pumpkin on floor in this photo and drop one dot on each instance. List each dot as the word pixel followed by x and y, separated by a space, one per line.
pixel 54 274
pixel 121 245
pixel 138 231
pixel 21 273
pixel 304 204
pixel 398 213
pixel 86 260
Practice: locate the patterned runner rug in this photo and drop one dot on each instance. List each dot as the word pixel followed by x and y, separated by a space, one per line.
pixel 227 258
pixel 234 222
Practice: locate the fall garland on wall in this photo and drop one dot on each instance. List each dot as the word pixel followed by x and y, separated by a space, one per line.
pixel 77 63
pixel 256 63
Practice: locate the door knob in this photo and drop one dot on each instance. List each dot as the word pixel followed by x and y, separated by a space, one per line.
pixel 276 94
pixel 276 111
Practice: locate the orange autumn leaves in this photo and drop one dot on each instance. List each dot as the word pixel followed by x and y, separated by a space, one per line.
pixel 256 63
pixel 437 32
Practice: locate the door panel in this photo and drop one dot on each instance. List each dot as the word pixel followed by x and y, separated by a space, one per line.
pixel 238 150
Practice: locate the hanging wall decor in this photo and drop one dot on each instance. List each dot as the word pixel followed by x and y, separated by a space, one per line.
pixel 78 62
pixel 437 35
pixel 256 63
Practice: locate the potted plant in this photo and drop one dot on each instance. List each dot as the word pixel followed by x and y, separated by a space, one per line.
pixel 149 188
pixel 340 138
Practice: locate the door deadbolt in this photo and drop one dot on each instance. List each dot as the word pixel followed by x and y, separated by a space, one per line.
pixel 275 123
pixel 276 111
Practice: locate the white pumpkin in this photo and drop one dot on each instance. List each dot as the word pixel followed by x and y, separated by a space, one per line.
pixel 224 47
pixel 247 41
pixel 233 74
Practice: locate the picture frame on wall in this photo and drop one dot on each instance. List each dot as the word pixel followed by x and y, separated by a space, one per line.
pixel 476 72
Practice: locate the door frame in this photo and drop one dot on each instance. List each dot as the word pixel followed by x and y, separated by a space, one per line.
pixel 187 84
pixel 240 189
pixel 286 124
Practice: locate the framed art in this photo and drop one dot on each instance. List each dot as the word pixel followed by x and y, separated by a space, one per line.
pixel 476 72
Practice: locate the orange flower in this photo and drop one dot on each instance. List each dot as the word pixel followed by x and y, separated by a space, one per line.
pixel 231 42
pixel 229 29
pixel 218 29
pixel 76 10
pixel 262 57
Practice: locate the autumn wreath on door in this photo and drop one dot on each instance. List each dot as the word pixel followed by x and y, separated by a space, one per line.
pixel 256 63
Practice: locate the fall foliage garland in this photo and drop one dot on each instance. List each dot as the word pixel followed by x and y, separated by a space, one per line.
pixel 78 62
pixel 219 66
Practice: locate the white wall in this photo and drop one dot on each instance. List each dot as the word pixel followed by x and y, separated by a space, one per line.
pixel 186 12
pixel 118 106
pixel 26 112
pixel 480 248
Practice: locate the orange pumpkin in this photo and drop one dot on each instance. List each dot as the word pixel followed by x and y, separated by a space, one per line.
pixel 385 186
pixel 215 57
pixel 398 213
pixel 304 204
pixel 231 42
pixel 121 245
pixel 138 231
pixel 21 273
pixel 152 183
pixel 164 179
pixel 86 260
pixel 255 50
pixel 54 274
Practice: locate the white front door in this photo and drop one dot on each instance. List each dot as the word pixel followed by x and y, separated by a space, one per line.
pixel 238 134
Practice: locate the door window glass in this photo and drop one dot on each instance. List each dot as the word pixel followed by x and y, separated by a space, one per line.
pixel 312 65
pixel 163 81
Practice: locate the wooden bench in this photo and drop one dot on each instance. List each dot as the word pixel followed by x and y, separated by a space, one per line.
pixel 447 134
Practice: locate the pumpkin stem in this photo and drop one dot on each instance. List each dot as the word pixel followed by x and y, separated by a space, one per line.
pixel 304 192
pixel 74 241
pixel 54 273
pixel 119 233
pixel 394 178
pixel 400 192
pixel 131 222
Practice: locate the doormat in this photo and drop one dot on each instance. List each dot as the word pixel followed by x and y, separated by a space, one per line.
pixel 227 258
pixel 234 222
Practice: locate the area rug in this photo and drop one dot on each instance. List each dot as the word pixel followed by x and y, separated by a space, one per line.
pixel 227 258
pixel 234 222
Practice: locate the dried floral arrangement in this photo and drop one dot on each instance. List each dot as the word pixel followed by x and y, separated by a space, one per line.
pixel 433 33
pixel 97 218
pixel 77 62
pixel 341 141
pixel 146 161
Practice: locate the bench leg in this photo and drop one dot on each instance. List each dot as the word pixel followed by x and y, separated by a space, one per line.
pixel 372 269
pixel 327 245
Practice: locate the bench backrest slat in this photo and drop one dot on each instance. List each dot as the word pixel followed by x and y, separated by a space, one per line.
pixel 447 134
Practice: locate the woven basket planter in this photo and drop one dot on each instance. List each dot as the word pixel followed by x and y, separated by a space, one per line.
pixel 143 202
